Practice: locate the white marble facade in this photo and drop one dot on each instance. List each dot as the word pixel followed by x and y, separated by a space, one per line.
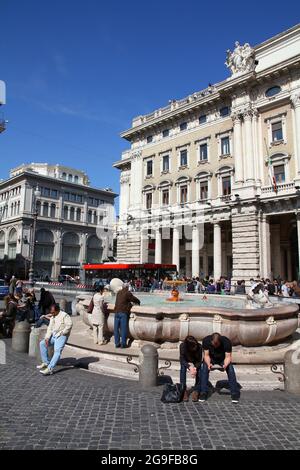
pixel 211 182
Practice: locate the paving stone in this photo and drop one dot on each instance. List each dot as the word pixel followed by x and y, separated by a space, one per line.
pixel 74 409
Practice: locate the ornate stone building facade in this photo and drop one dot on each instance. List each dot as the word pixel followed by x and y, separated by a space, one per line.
pixel 212 181
pixel 71 216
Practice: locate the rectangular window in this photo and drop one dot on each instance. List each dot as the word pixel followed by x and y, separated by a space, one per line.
pixel 203 152
pixel 277 131
pixel 225 146
pixel 166 133
pixel 183 194
pixel 203 190
pixel 149 170
pixel 149 139
pixel 202 119
pixel 165 197
pixel 148 200
pixel 166 163
pixel 91 201
pixel 183 126
pixel 224 111
pixel 67 196
pixel 46 192
pixel 279 174
pixel 73 197
pixel 183 158
pixel 54 193
pixel 79 198
pixel 226 185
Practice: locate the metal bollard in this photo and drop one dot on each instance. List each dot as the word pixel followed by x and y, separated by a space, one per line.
pixel 20 337
pixel 148 366
pixel 292 372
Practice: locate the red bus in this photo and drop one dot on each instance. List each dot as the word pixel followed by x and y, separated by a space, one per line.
pixel 128 271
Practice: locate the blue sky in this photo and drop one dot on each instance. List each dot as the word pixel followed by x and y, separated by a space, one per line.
pixel 77 72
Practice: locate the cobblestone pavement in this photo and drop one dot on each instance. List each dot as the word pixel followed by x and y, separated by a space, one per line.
pixel 75 409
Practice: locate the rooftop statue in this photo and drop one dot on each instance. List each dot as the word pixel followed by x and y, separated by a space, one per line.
pixel 241 59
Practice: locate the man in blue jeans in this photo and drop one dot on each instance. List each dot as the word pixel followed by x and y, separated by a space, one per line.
pixel 218 350
pixel 57 335
pixel 124 302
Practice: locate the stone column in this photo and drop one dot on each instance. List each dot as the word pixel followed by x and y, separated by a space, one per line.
pixel 144 247
pixel 249 157
pixel 265 247
pixel 176 241
pixel 158 247
pixel 289 265
pixel 295 98
pixel 195 252
pixel 276 251
pixel 298 233
pixel 217 250
pixel 245 244
pixel 238 148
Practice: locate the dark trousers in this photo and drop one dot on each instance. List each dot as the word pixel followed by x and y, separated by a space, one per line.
pixel 183 371
pixel 121 327
pixel 233 385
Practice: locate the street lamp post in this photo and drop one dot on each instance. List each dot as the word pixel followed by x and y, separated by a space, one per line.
pixel 37 195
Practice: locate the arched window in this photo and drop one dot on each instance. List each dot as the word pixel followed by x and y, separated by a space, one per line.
pixel 90 217
pixel 64 176
pixel 45 209
pixel 2 244
pixel 70 177
pixel 78 215
pixel 70 248
pixel 12 244
pixel 72 213
pixel 274 90
pixel 44 247
pixel 66 212
pixel 76 179
pixel 94 250
pixel 53 211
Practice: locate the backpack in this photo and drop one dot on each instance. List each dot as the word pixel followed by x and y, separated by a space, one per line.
pixel 172 393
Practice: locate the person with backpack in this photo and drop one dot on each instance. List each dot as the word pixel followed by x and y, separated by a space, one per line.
pixel 190 362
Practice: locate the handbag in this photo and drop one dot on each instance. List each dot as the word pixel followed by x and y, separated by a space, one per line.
pixel 91 306
pixel 172 393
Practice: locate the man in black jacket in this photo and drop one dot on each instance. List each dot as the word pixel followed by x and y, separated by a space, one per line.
pixel 46 301
pixel 190 361
pixel 217 349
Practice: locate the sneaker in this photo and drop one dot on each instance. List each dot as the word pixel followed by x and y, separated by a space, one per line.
pixel 203 397
pixel 42 366
pixel 186 396
pixel 235 399
pixel 195 396
pixel 46 371
pixel 117 345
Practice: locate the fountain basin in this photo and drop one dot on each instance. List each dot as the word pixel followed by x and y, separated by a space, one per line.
pixel 166 323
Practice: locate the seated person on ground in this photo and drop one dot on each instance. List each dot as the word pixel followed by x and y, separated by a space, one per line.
pixel 217 350
pixel 190 361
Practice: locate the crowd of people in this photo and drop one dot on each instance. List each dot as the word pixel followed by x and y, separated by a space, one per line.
pixel 21 304
pixel 224 285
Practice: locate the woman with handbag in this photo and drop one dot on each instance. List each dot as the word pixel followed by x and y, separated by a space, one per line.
pixel 98 316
